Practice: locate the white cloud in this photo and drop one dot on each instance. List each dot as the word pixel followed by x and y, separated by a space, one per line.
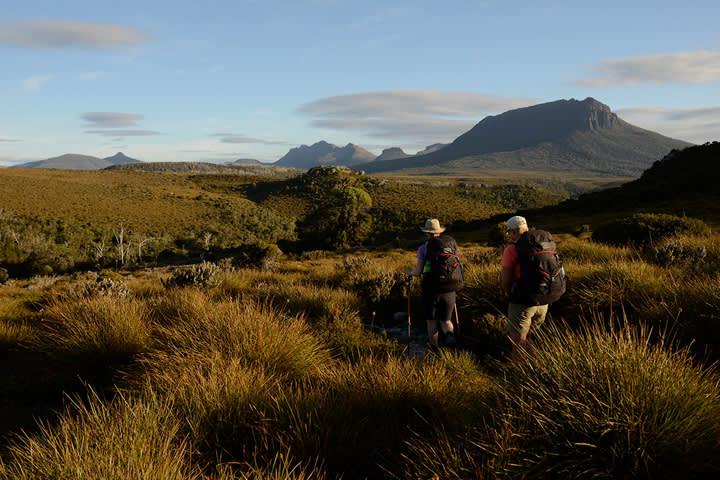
pixel 36 81
pixel 231 138
pixel 63 33
pixel 696 125
pixel 111 119
pixel 686 67
pixel 120 134
pixel 423 116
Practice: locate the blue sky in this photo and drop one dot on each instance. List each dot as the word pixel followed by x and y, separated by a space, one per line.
pixel 222 80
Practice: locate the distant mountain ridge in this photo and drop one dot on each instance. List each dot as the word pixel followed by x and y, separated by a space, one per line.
pixel 324 153
pixel 74 161
pixel 581 136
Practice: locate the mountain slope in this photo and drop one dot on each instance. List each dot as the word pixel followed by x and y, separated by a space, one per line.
pixel 74 161
pixel 69 161
pixel 581 136
pixel 683 183
pixel 323 153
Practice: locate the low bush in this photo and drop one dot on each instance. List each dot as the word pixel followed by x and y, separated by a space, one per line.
pixel 697 254
pixel 643 228
pixel 203 275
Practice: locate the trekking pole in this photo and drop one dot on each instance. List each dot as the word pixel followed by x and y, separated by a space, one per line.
pixel 457 320
pixel 409 284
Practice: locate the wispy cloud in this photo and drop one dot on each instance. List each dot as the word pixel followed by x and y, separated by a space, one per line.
pixel 109 122
pixel 111 119
pixel 123 133
pixel 91 75
pixel 36 81
pixel 64 33
pixel 9 140
pixel 697 125
pixel 418 115
pixel 685 67
pixel 232 138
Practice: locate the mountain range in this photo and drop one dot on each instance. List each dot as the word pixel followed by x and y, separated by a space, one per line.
pixel 323 153
pixel 580 137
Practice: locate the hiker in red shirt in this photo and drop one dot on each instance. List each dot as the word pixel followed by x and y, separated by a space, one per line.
pixel 521 317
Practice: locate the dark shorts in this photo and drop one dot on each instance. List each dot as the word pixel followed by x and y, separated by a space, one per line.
pixel 439 306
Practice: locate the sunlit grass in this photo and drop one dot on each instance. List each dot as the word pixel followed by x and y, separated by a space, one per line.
pixel 101 326
pixel 119 439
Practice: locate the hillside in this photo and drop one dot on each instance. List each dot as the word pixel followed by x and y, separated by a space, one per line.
pixel 210 168
pixel 73 161
pixel 323 153
pixel 561 137
pixel 683 183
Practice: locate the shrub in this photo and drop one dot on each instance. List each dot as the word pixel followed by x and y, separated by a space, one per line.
pixel 697 254
pixel 643 228
pixel 203 275
pixel 103 285
pixel 258 255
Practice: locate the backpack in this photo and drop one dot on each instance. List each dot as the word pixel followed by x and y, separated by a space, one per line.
pixel 542 276
pixel 445 272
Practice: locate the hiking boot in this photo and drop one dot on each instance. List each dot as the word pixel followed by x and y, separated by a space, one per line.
pixel 449 339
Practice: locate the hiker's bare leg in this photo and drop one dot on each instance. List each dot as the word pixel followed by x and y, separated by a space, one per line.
pixel 447 326
pixel 432 330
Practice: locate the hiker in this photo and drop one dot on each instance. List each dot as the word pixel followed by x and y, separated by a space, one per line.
pixel 532 278
pixel 438 290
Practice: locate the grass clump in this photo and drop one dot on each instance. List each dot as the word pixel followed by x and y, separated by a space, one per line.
pixel 96 327
pixel 592 403
pixel 256 333
pixel 119 439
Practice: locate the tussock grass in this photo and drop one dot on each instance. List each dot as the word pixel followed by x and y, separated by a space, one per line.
pixel 629 285
pixel 96 327
pixel 15 317
pixel 586 403
pixel 603 404
pixel 583 251
pixel 121 439
pixel 257 333
pixel 229 405
pixel 360 417
pixel 282 467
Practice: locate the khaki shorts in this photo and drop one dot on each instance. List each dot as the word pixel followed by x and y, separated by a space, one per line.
pixel 522 317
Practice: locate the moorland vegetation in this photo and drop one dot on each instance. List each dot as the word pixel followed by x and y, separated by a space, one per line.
pixel 285 369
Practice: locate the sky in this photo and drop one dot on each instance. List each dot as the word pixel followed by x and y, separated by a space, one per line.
pixel 223 80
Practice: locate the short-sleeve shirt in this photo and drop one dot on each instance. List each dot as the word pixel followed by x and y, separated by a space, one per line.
pixel 510 260
pixel 422 251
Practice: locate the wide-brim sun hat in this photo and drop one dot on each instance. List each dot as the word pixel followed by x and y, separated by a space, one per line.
pixel 515 222
pixel 432 225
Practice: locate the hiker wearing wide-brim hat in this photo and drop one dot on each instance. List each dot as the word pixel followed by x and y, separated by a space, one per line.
pixel 438 300
pixel 432 225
